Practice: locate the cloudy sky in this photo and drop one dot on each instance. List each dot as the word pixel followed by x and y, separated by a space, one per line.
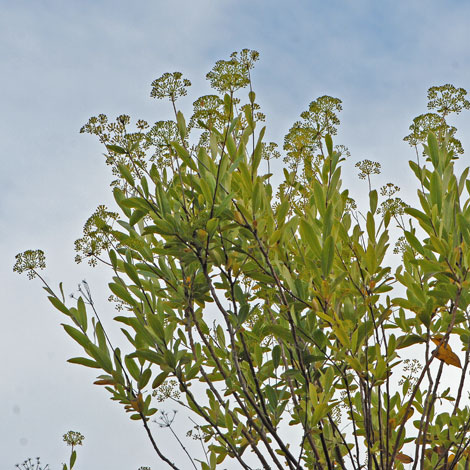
pixel 64 61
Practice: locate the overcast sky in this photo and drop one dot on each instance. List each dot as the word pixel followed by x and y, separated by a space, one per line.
pixel 63 61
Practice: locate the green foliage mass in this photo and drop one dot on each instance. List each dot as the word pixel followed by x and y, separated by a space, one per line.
pixel 272 316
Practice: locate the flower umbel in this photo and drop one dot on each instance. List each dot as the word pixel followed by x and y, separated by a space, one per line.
pixel 73 438
pixel 367 168
pixel 30 261
pixel 170 85
pixel 97 236
pixel 227 76
pixel 28 464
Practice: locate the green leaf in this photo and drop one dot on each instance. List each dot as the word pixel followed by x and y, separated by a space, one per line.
pixel 228 420
pixel 436 190
pixel 255 200
pixel 327 256
pixel 116 149
pixel 329 144
pixel 181 123
pixel 137 215
pixel 327 222
pixel 206 190
pixel 121 292
pixel 308 235
pixel 272 396
pixel 145 186
pixel 282 211
pixel 150 356
pixel 243 314
pixel 78 336
pixel 258 152
pixel 126 174
pixel 120 199
pixel 132 367
pixel 144 378
pixel 276 353
pixel 373 197
pixel 184 155
pixel 84 362
pixel 319 338
pixel 319 197
pixel 231 147
pixel 132 273
pixel 81 313
pixel 73 458
pixel 417 214
pixel 59 305
pixel 162 227
pixel 408 340
pixel 464 226
pixel 113 258
pixel 370 224
pixel 293 373
pixel 414 242
pixel 156 326
pixel 371 258
pixel 279 332
pixel 223 205
pixel 433 147
pixel 159 379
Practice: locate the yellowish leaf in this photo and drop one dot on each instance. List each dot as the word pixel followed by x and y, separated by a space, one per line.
pixel 104 382
pixel 202 234
pixel 136 404
pixel 403 458
pixel 401 414
pixel 239 218
pixel 392 422
pixel 445 353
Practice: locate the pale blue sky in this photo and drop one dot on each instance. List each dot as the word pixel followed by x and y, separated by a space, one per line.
pixel 63 61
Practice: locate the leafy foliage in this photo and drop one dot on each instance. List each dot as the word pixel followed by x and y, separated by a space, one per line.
pixel 283 308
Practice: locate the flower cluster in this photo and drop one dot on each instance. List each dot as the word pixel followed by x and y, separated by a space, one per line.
pixel 367 168
pixel 393 205
pixel 28 464
pixel 412 367
pixel 73 438
pixel 228 76
pixel 168 389
pixel 442 101
pixel 208 112
pixel 322 115
pixel 97 236
pixel 446 99
pixel 30 261
pixel 171 86
pixel 269 151
pixel 122 145
pixel 401 245
pixel 431 122
pixel 161 135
